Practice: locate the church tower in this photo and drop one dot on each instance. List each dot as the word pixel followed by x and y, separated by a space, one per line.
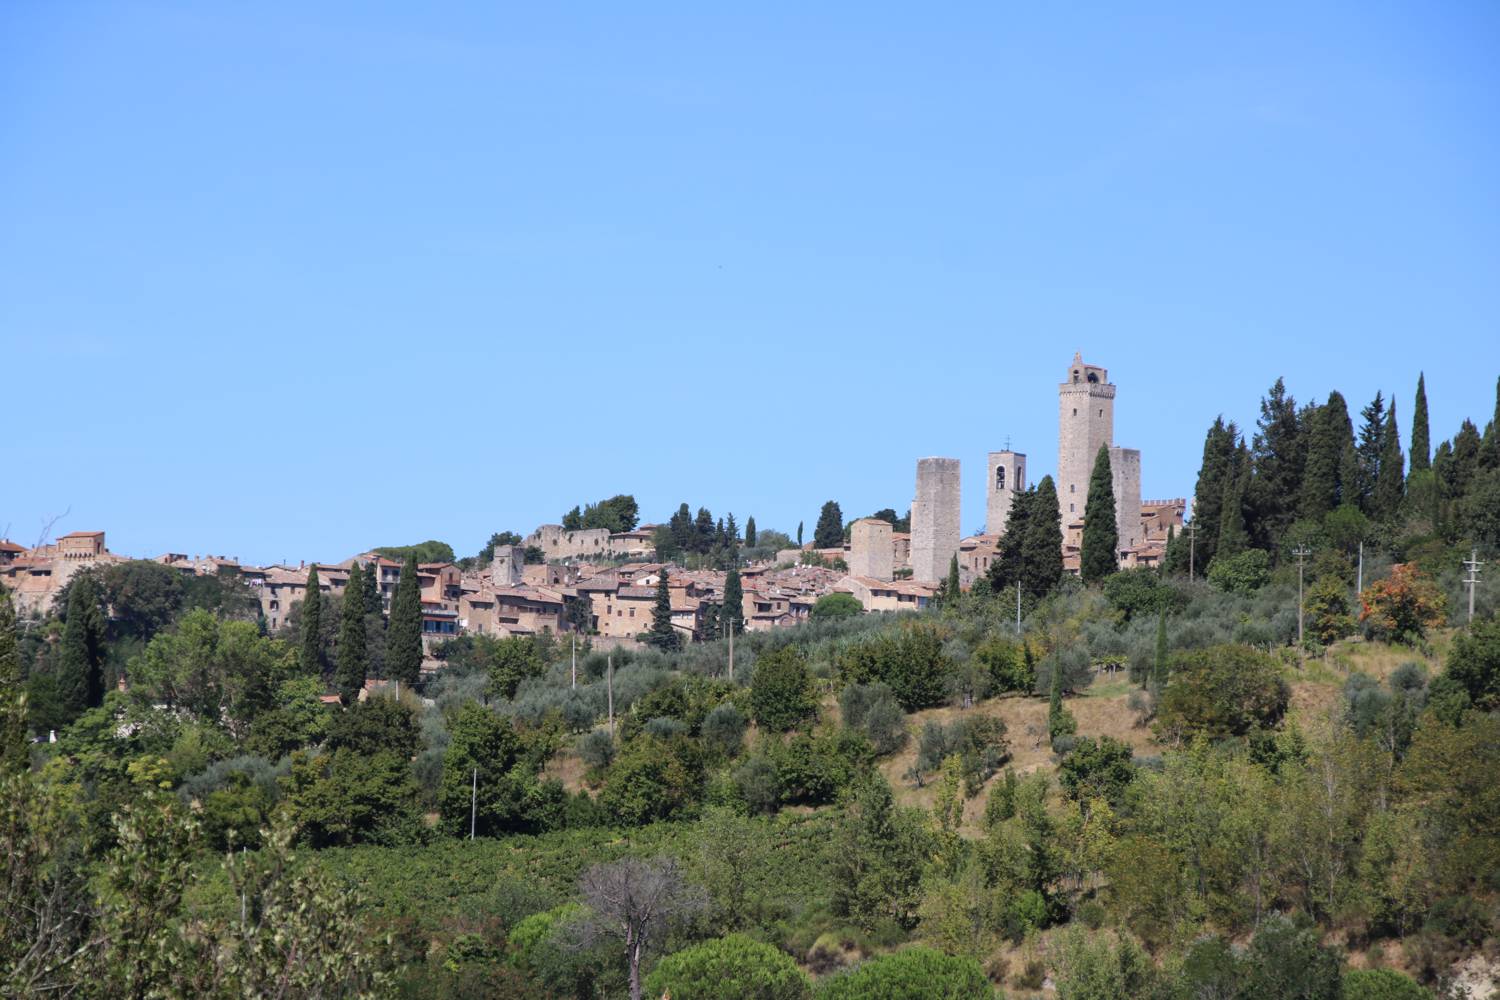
pixel 1085 422
pixel 1007 478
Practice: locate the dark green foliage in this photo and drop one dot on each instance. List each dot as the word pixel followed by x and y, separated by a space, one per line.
pixel 510 797
pixel 734 602
pixel 1101 541
pixel 1139 592
pixel 349 797
pixel 780 691
pixel 80 675
pixel 1381 984
pixel 1390 481
pixel 1159 667
pixel 1234 535
pixel 1330 443
pixel 837 605
pixel 662 635
pixel 979 741
pixel 1097 769
pixel 910 974
pixel 829 532
pixel 619 513
pixel 1215 472
pixel 597 749
pixel 1370 450
pixel 876 860
pixel 352 664
pixel 909 659
pixel 1221 692
pixel 873 710
pixel 312 625
pixel 799 534
pixel 1242 572
pixel 951 586
pixel 1041 549
pixel 1277 457
pixel 403 650
pixel 377 724
pixel 1421 442
pixel 15 753
pixel 1005 570
pixel 653 779
pixel 724 730
pixel 1288 962
pixel 1474 662
pixel 430 551
pixel 729 968
pixel 143 597
pixel 1008 663
pixel 750 538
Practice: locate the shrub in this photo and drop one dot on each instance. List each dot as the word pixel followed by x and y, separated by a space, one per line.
pixel 1381 984
pixel 1242 573
pixel 1403 606
pixel 1221 692
pixel 914 972
pixel 1009 664
pixel 979 741
pixel 838 605
pixel 597 749
pixel 1097 769
pixel 1475 663
pixel 729 968
pixel 910 660
pixel 1328 610
pixel 873 710
pixel 780 691
pixel 724 730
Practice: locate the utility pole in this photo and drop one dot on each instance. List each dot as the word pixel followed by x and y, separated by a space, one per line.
pixel 1192 533
pixel 1471 581
pixel 731 649
pixel 473 802
pixel 1359 576
pixel 1018 608
pixel 609 686
pixel 574 637
pixel 1301 552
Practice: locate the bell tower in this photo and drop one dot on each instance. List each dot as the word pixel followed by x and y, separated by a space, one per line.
pixel 1085 423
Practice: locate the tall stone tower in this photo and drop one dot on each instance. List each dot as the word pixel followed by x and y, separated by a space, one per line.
pixel 1007 477
pixel 934 519
pixel 1085 422
pixel 1125 469
pixel 872 549
pixel 507 564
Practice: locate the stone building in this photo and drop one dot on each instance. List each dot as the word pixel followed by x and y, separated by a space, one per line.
pixel 1006 478
pixel 935 519
pixel 872 549
pixel 589 543
pixel 507 565
pixel 1086 423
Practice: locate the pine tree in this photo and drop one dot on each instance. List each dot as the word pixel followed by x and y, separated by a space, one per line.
pixel 1041 549
pixel 954 587
pixel 681 527
pixel 1371 447
pixel 829 533
pixel 733 614
pixel 312 623
pixel 15 752
pixel 403 657
pixel 1420 443
pixel 1233 536
pixel 1390 482
pixel 81 660
pixel 1101 539
pixel 1005 571
pixel 1208 494
pixel 750 532
pixel 662 635
pixel 1330 437
pixel 352 664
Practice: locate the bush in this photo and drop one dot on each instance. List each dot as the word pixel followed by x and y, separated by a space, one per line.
pixel 1381 984
pixel 1009 664
pixel 1242 573
pixel 597 749
pixel 1219 693
pixel 1403 606
pixel 872 709
pixel 1475 663
pixel 1097 769
pixel 729 968
pixel 780 690
pixel 913 973
pixel 837 605
pixel 724 730
pixel 979 741
pixel 910 660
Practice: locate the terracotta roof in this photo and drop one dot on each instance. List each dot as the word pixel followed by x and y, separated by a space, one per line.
pixel 6 545
pixel 82 534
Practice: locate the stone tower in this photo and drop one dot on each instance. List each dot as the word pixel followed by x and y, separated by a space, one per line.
pixel 1007 477
pixel 872 549
pixel 506 565
pixel 1125 468
pixel 934 519
pixel 1085 422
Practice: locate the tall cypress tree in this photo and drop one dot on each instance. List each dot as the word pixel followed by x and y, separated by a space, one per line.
pixel 374 602
pixel 1233 536
pixel 733 614
pixel 1390 482
pixel 1101 537
pixel 1330 439
pixel 829 532
pixel 954 587
pixel 312 624
pixel 1370 448
pixel 750 532
pixel 403 650
pixel 662 635
pixel 81 660
pixel 1489 448
pixel 1208 494
pixel 349 674
pixel 15 753
pixel 1005 571
pixel 799 534
pixel 1041 549
pixel 1420 443
pixel 1278 454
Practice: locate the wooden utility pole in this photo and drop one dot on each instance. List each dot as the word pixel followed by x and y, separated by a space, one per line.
pixel 473 802
pixel 1192 533
pixel 1471 581
pixel 1018 608
pixel 1301 552
pixel 574 637
pixel 1359 575
pixel 609 687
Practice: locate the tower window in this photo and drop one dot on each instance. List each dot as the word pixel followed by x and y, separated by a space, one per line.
pixel 1000 478
pixel 1101 413
pixel 1072 487
pixel 1075 411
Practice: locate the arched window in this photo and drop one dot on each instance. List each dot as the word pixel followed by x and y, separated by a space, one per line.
pixel 1000 477
pixel 1093 377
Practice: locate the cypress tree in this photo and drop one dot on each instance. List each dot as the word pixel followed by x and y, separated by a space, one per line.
pixel 403 656
pixel 1278 455
pixel 1489 449
pixel 1371 447
pixel 1005 571
pixel 81 660
pixel 750 532
pixel 731 531
pixel 1329 437
pixel 662 635
pixel 704 530
pixel 15 753
pixel 1174 561
pixel 1208 494
pixel 954 587
pixel 799 534
pixel 829 532
pixel 1159 666
pixel 312 624
pixel 1465 465
pixel 1420 444
pixel 1101 539
pixel 1390 482
pixel 1349 474
pixel 373 601
pixel 1041 549
pixel 349 674
pixel 1233 536
pixel 733 614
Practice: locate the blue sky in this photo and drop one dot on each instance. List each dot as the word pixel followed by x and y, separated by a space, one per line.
pixel 290 280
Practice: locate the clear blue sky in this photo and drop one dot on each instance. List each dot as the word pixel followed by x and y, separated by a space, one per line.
pixel 290 280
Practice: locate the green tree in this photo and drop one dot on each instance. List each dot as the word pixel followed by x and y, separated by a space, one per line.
pixel 1390 481
pixel 836 605
pixel 348 797
pixel 1421 444
pixel 1159 664
pixel 799 534
pixel 15 751
pixel 877 857
pixel 910 660
pixel 653 779
pixel 910 974
pixel 81 659
pixel 780 691
pixel 1474 662
pixel 662 635
pixel 403 657
pixel 1234 535
pixel 214 669
pixel 1289 962
pixel 1097 769
pixel 1090 968
pixel 734 601
pixel 1217 468
pixel 1100 555
pixel 375 725
pixel 349 674
pixel 1381 984
pixel 829 532
pixel 750 532
pixel 1330 438
pixel 1005 570
pixel 430 551
pixel 312 624
pixel 143 597
pixel 952 588
pixel 1273 475
pixel 729 968
pixel 488 760
pixel 1369 451
pixel 1221 692
pixel 1041 549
